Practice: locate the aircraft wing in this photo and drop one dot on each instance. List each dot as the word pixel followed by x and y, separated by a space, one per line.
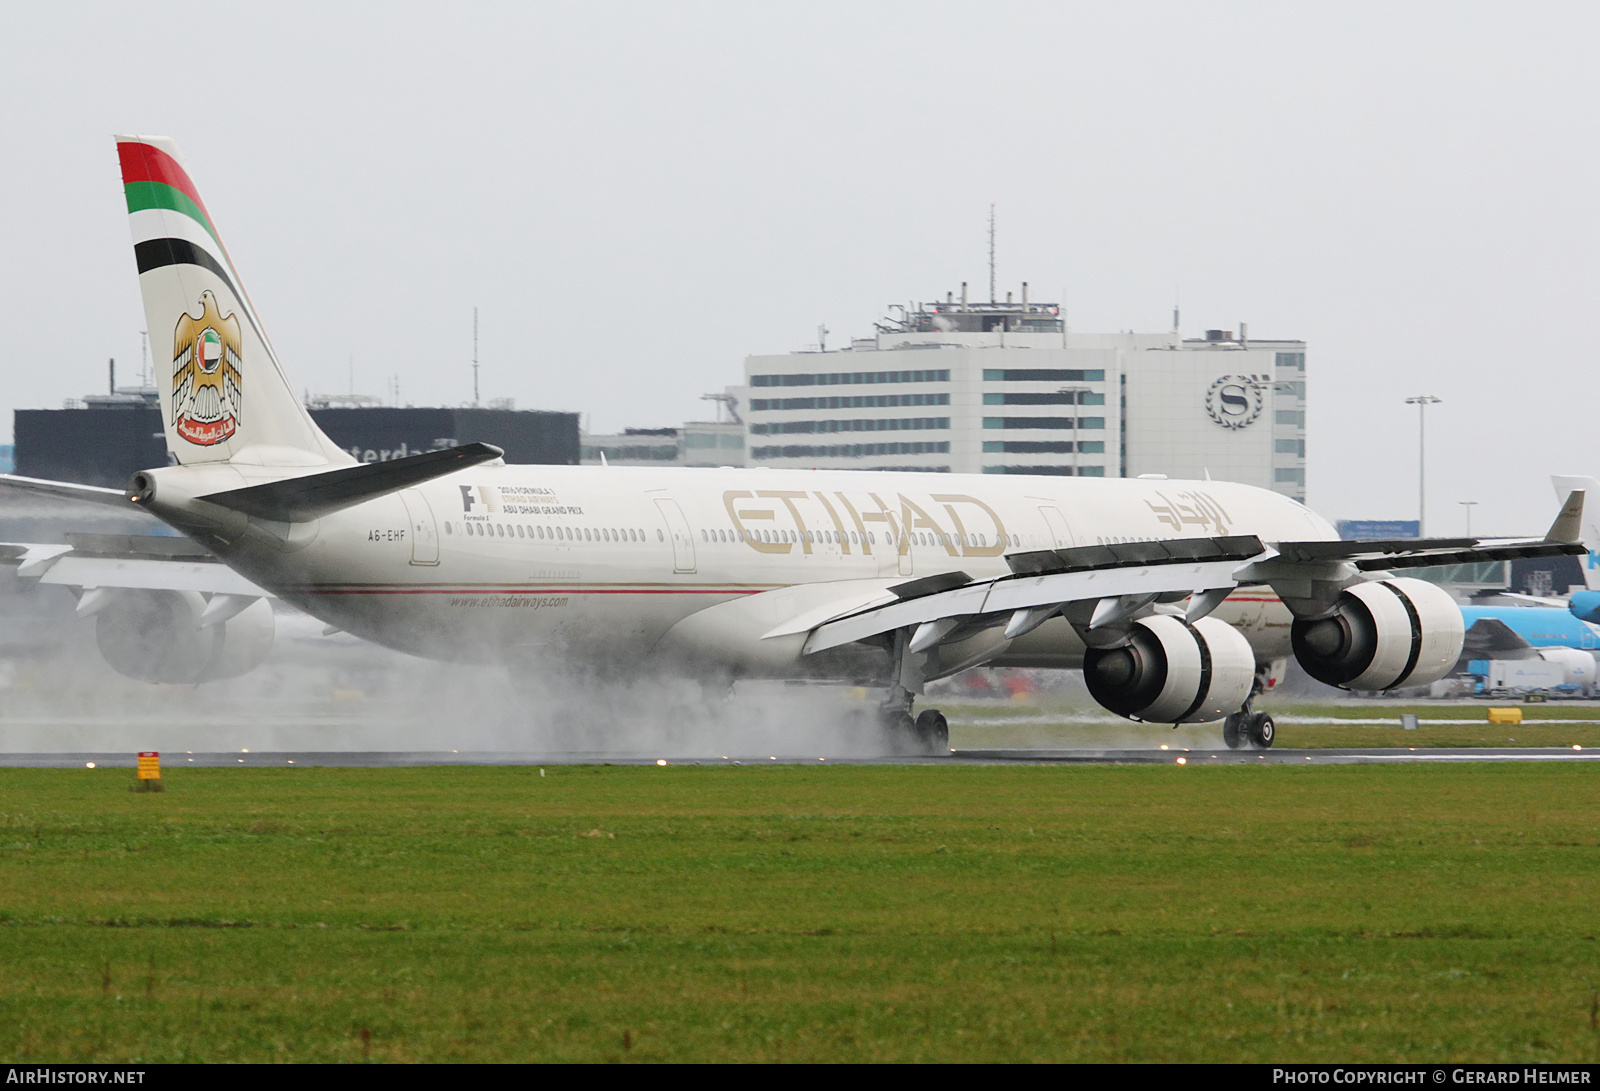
pixel 1105 585
pixel 127 561
pixel 1123 578
pixel 1491 638
pixel 1532 600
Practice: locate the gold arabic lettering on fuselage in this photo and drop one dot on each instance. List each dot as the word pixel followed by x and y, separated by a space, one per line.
pixel 1191 508
pixel 773 507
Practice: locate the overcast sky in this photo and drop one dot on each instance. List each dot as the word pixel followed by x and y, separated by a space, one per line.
pixel 637 195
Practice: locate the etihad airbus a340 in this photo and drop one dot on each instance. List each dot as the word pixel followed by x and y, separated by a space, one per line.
pixel 878 578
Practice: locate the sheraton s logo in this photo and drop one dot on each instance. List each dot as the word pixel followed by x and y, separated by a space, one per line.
pixel 1235 401
pixel 205 375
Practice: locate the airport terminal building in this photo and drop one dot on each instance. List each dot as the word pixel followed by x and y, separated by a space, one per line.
pixel 1005 388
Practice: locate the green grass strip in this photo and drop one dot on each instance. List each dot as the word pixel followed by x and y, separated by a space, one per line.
pixel 854 913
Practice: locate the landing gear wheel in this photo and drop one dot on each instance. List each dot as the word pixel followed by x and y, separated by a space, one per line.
pixel 900 731
pixel 1262 731
pixel 1233 729
pixel 933 731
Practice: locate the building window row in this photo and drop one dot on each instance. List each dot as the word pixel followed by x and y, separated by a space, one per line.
pixel 1296 360
pixel 860 401
pixel 1296 447
pixel 1043 422
pixel 852 378
pixel 1047 471
pixel 1287 475
pixel 1293 417
pixel 882 424
pixel 703 440
pixel 1084 397
pixel 1041 447
pixel 1043 375
pixel 852 450
pixel 656 453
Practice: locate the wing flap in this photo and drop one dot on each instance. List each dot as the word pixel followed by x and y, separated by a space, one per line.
pixel 1002 597
pixel 130 561
pixel 207 577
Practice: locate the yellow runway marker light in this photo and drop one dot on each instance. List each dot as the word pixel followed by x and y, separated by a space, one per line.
pixel 1505 715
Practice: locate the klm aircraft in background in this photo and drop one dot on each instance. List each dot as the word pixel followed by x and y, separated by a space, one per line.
pixel 1566 633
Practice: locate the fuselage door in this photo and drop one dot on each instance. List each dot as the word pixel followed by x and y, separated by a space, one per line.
pixel 901 544
pixel 1058 526
pixel 678 531
pixel 424 532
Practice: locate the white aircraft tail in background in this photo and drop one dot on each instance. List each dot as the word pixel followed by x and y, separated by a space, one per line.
pixel 1565 484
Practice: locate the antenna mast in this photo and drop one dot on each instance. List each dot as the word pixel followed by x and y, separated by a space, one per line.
pixel 475 357
pixel 991 251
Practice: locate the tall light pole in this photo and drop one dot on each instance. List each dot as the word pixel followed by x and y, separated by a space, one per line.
pixel 1468 505
pixel 1422 401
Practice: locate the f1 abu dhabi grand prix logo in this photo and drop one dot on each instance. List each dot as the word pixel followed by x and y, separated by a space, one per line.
pixel 1235 401
pixel 205 375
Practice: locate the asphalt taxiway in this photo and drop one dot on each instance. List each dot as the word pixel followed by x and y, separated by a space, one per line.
pixel 1173 756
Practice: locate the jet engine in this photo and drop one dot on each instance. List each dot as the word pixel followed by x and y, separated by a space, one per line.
pixel 155 636
pixel 1382 635
pixel 1173 672
pixel 1577 664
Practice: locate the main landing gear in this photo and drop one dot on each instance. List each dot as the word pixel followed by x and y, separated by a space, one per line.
pixel 926 733
pixel 1248 728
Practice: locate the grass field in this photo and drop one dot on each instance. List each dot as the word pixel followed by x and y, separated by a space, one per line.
pixel 795 913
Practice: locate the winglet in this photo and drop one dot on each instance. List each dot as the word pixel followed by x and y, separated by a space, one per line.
pixel 1568 524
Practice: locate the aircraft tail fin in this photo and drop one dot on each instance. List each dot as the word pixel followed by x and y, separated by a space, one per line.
pixel 223 393
pixel 1590 524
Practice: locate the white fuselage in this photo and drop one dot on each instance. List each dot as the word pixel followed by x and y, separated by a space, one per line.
pixel 623 566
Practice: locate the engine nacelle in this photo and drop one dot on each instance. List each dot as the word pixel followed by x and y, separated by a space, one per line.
pixel 1172 672
pixel 1383 634
pixel 155 636
pixel 1577 665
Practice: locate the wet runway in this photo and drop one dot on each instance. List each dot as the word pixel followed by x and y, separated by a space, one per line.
pixel 1174 756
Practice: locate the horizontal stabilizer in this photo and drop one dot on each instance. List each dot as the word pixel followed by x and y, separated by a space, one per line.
pixel 67 490
pixel 299 499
